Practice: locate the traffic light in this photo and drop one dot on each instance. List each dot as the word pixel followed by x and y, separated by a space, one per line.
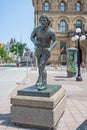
pixel 1 45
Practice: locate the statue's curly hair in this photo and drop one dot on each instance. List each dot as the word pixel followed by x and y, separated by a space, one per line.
pixel 47 17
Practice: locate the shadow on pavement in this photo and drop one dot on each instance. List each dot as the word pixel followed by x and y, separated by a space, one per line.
pixel 6 120
pixel 63 78
pixel 83 126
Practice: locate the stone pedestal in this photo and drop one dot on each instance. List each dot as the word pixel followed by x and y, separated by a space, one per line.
pixel 38 111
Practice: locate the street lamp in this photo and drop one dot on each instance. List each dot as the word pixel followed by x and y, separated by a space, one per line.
pixel 79 36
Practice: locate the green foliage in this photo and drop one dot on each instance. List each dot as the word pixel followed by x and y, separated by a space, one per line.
pixel 7 58
pixel 4 56
pixel 2 53
pixel 18 48
pixel 70 67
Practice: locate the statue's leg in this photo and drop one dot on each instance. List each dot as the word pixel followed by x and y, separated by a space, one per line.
pixel 38 80
pixel 42 71
pixel 44 77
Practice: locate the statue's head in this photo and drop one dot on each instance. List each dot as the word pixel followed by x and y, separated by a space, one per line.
pixel 46 17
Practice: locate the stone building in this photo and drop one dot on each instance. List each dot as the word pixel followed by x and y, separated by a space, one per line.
pixel 66 16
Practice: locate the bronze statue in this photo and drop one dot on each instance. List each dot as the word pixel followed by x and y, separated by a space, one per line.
pixel 44 39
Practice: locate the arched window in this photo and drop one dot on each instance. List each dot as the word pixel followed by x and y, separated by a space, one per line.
pixel 62 6
pixel 46 6
pixel 78 6
pixel 78 24
pixel 62 26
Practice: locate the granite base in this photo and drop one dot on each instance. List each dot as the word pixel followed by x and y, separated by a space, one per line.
pixel 39 112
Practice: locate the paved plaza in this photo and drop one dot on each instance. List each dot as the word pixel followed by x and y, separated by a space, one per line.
pixel 13 79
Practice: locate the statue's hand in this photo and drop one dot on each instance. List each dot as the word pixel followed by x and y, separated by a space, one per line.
pixel 47 51
pixel 37 43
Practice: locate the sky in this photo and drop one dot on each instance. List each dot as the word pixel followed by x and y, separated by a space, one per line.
pixel 16 21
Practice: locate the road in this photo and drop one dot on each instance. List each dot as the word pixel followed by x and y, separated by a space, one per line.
pixel 10 77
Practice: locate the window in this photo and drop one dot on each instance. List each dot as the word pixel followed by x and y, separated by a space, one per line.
pixel 62 6
pixel 62 26
pixel 78 24
pixel 78 6
pixel 46 6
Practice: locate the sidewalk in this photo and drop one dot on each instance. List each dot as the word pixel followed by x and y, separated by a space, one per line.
pixel 76 108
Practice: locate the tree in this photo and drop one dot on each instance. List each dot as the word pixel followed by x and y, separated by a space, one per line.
pixel 2 53
pixel 4 56
pixel 7 58
pixel 18 49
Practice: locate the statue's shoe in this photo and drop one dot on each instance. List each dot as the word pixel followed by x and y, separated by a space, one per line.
pixel 40 88
pixel 38 82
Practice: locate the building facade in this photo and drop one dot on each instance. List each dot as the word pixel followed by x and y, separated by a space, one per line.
pixel 66 16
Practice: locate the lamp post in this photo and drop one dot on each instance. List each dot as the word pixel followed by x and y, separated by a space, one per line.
pixel 79 36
